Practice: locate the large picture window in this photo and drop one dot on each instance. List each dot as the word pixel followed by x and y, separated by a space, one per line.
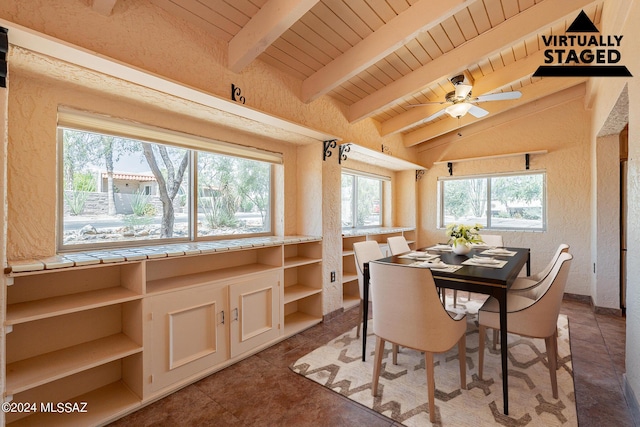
pixel 118 191
pixel 506 201
pixel 361 201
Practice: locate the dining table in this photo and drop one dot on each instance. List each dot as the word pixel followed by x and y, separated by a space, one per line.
pixel 465 273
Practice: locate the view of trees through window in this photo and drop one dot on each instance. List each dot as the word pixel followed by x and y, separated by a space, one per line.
pixel 361 201
pixel 503 201
pixel 120 190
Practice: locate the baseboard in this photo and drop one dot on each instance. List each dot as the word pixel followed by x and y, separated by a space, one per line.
pixel 632 402
pixel 586 299
pixel 333 314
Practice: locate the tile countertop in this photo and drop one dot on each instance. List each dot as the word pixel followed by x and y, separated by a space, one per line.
pixel 105 256
pixel 353 232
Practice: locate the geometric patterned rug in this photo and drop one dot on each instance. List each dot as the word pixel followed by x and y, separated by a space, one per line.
pixel 402 391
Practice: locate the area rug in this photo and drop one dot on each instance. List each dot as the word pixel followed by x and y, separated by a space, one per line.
pixel 402 392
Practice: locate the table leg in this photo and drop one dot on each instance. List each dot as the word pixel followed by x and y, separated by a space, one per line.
pixel 365 308
pixel 502 299
pixel 529 263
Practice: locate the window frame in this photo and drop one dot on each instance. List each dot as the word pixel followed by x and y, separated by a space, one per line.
pixel 354 190
pixel 489 177
pixel 93 123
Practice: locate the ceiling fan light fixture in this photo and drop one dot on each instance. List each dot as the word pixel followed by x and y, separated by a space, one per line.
pixel 459 109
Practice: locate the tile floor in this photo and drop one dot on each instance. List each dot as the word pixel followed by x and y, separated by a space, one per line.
pixel 262 391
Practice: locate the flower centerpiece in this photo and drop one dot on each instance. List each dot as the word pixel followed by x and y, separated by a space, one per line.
pixel 462 236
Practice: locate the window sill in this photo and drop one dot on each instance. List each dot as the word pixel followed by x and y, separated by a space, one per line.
pixel 141 253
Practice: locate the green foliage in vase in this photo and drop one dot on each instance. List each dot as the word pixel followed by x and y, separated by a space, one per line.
pixel 461 234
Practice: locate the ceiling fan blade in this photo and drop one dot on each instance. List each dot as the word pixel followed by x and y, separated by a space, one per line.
pixel 435 115
pixel 477 111
pixel 497 96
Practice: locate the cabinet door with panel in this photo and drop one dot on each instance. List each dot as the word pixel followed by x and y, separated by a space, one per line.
pixel 188 334
pixel 254 304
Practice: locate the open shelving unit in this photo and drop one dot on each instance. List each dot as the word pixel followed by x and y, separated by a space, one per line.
pixel 72 333
pixel 350 289
pixel 120 334
pixel 302 290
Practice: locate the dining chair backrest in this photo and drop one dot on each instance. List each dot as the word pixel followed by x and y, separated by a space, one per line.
pixel 364 252
pixel 492 240
pixel 563 247
pixel 541 316
pixel 398 245
pixel 407 309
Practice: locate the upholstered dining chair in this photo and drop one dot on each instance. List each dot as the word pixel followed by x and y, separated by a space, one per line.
pixel 529 285
pixel 398 245
pixel 407 312
pixel 531 318
pixel 492 240
pixel 364 252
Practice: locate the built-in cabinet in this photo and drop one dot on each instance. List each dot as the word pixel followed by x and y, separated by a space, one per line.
pixel 118 335
pixel 350 291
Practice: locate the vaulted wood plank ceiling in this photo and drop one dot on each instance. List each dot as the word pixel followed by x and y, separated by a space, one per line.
pixel 379 57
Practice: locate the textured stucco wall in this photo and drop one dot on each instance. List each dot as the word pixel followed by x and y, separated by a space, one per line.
pixel 563 131
pixel 606 254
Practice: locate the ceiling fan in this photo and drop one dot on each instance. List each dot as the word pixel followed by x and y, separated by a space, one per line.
pixel 462 101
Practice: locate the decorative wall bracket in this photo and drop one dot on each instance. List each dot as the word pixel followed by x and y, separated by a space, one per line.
pixel 328 145
pixel 526 161
pixel 344 148
pixel 236 94
pixel 419 174
pixel 4 48
pixel 450 167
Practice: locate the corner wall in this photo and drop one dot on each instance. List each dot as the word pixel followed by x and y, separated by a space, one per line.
pixel 563 131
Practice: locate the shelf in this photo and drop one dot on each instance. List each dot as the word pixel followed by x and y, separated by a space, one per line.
pixel 103 404
pixel 297 292
pixel 299 321
pixel 38 370
pixel 492 157
pixel 65 304
pixel 350 301
pixel 300 260
pixel 349 277
pixel 198 279
pixel 378 158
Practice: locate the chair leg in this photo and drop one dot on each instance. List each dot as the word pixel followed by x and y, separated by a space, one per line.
pixel 482 331
pixel 431 385
pixel 552 359
pixel 462 356
pixel 496 337
pixel 377 365
pixel 359 317
pixel 455 297
pixel 394 350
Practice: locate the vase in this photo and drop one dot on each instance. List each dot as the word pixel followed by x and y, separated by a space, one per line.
pixel 461 249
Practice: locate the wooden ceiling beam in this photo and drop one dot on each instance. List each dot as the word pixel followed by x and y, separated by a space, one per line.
pixel 517 28
pixel 391 36
pixel 531 93
pixel 271 21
